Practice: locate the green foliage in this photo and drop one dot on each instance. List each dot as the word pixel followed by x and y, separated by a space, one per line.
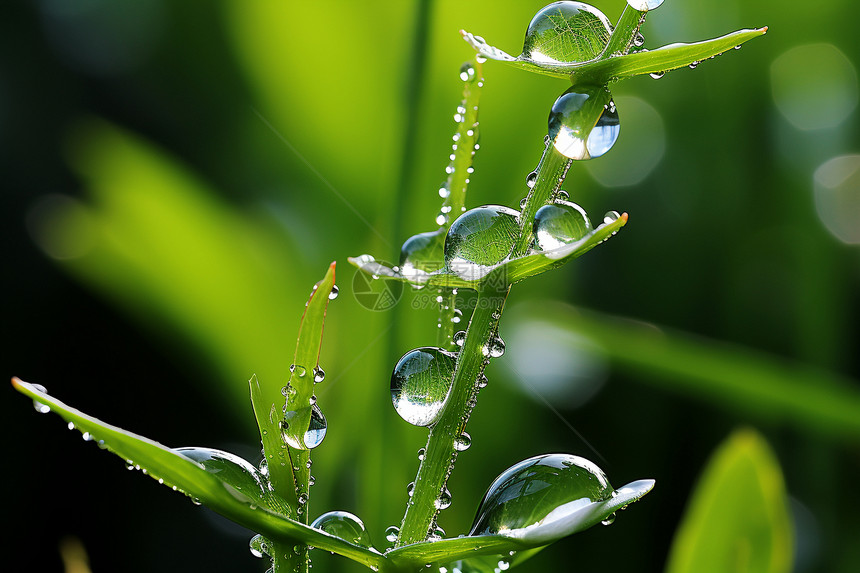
pixel 737 518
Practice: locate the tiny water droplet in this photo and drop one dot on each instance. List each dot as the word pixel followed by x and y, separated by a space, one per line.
pixel 298 370
pixel 344 525
pixel 531 179
pixel 421 453
pixel 610 519
pixel 38 406
pixel 443 501
pixel 410 488
pixel 610 217
pixel 638 40
pixel 503 565
pixel 693 65
pixel 303 498
pixel 420 384
pixel 334 292
pixel 391 533
pixel 482 381
pixel 657 75
pixel 319 374
pixel 259 546
pixel 71 426
pixel 462 442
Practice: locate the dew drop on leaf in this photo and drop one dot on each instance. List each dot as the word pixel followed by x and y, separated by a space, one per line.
pixel 480 237
pixel 443 501
pixel 259 546
pixel 334 292
pixel 459 337
pixel 420 384
pixel 565 32
pixel 467 72
pixel 319 374
pixel 462 442
pixel 344 525
pixel 422 253
pixel 644 5
pixel 559 224
pixel 610 217
pixel 494 348
pixel 572 126
pixel 657 75
pixel 538 490
pixel 291 431
pixel 391 533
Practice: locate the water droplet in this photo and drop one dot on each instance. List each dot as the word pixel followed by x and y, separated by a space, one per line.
pixel 693 65
pixel 531 179
pixel 71 425
pixel 562 195
pixel 293 423
pixel 420 384
pixel 444 192
pixel 657 75
pixel 610 217
pixel 610 519
pixel 410 488
pixel 459 337
pixel 467 72
pixel 298 370
pixel 494 348
pixel 482 381
pixel 312 400
pixel 441 219
pixel 303 498
pixel 319 374
pixel 503 565
pixel 438 533
pixel 259 546
pixel 462 442
pixel 564 32
pixel 334 292
pixel 422 252
pixel 38 406
pixel 644 5
pixel 538 491
pixel 638 40
pixel 572 126
pixel 480 238
pixel 264 467
pixel 344 525
pixel 421 453
pixel 559 224
pixel 443 501
pixel 391 533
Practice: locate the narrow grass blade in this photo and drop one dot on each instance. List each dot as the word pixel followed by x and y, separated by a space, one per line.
pixel 260 511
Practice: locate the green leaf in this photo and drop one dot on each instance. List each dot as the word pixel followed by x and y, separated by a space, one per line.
pixel 447 551
pixel 222 482
pixel 737 519
pixel 288 465
pixel 507 272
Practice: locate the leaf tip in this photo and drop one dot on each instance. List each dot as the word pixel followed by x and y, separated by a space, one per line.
pixel 624 217
pixel 17 382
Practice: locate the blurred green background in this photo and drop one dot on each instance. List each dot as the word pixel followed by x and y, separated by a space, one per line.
pixel 176 176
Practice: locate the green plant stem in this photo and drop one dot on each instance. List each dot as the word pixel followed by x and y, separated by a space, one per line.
pixel 464 149
pixel 551 171
pixel 440 453
pixel 622 35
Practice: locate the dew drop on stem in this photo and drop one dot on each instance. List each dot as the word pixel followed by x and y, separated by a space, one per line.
pixel 572 126
pixel 559 224
pixel 420 384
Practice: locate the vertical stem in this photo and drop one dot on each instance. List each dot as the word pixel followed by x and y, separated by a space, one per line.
pixel 551 171
pixel 622 35
pixel 440 453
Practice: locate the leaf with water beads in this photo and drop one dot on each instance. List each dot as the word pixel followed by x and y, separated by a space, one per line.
pixel 614 62
pixel 239 494
pixel 505 272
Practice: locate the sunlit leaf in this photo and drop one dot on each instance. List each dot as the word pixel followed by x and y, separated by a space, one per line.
pixel 737 518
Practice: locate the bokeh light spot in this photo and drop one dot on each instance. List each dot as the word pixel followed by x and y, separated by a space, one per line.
pixel 837 197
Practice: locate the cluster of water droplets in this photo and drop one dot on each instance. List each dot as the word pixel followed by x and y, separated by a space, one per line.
pixel 291 424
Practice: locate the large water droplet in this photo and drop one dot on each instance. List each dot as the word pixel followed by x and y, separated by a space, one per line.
pixel 443 501
pixel 559 224
pixel 293 433
pixel 344 525
pixel 644 5
pixel 259 546
pixel 572 126
pixel 420 384
pixel 462 442
pixel 565 32
pixel 319 374
pixel 422 253
pixel 537 491
pixel 480 238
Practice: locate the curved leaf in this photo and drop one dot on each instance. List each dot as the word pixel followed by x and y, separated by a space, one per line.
pixel 227 493
pixel 738 518
pixel 507 272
